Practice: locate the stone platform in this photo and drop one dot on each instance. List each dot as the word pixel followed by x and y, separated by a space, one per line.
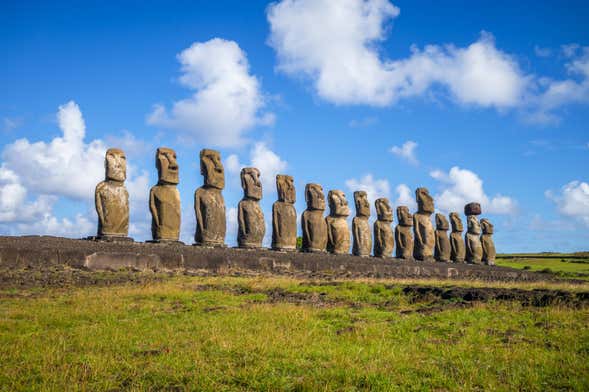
pixel 45 251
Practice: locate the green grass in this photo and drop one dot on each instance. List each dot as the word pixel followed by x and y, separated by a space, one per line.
pixel 558 264
pixel 228 334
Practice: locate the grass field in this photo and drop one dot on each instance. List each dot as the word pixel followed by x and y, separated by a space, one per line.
pixel 562 265
pixel 268 333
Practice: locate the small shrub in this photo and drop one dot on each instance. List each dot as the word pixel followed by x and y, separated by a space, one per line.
pixel 527 267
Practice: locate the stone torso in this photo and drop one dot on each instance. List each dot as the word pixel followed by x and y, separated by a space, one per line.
pixel 474 249
pixel 362 238
pixel 251 224
pixel 442 251
pixel 488 249
pixel 404 240
pixel 284 226
pixel 457 252
pixel 423 236
pixel 166 208
pixel 210 216
pixel 314 230
pixel 338 235
pixel 384 241
pixel 113 201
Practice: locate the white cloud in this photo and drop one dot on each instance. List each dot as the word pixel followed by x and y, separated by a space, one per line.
pixel 266 160
pixel 227 101
pixel 406 151
pixel 405 197
pixel 374 188
pixel 462 186
pixel 542 52
pixel 35 175
pixel 335 44
pixel 573 200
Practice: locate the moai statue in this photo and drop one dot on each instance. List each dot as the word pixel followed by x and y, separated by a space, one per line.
pixel 442 250
pixel 474 249
pixel 250 217
pixel 284 215
pixel 403 233
pixel 423 231
pixel 164 198
pixel 338 232
pixel 112 199
pixel 487 242
pixel 384 241
pixel 457 252
pixel 362 244
pixel 209 205
pixel 312 221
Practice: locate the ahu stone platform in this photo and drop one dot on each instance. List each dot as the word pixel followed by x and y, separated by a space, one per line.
pixel 44 251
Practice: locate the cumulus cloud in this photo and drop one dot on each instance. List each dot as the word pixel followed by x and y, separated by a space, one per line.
pixel 267 161
pixel 374 187
pixel 335 44
pixel 405 197
pixel 406 152
pixel 572 200
pixel 462 186
pixel 34 176
pixel 227 100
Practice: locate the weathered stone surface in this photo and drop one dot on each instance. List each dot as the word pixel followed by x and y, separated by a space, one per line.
pixel 251 226
pixel 313 224
pixel 404 233
pixel 442 250
pixel 338 232
pixel 111 197
pixel 362 238
pixel 209 205
pixel 284 215
pixel 458 252
pixel 423 230
pixel 474 249
pixel 472 209
pixel 164 198
pixel 487 242
pixel 384 240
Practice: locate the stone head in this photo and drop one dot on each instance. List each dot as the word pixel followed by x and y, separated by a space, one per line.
pixel 314 197
pixel 441 222
pixel 383 209
pixel 362 205
pixel 115 165
pixel 487 226
pixel 251 184
pixel 211 168
pixel 472 209
pixel 338 205
pixel 473 225
pixel 167 166
pixel 456 222
pixel 404 217
pixel 285 188
pixel 425 203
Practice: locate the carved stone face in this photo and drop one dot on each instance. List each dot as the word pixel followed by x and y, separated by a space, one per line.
pixel 250 182
pixel 167 166
pixel 404 217
pixel 383 209
pixel 314 197
pixel 362 205
pixel 211 168
pixel 473 225
pixel 456 222
pixel 486 226
pixel 338 205
pixel 441 222
pixel 115 164
pixel 425 203
pixel 285 188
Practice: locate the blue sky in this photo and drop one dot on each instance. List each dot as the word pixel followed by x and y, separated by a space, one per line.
pixel 484 102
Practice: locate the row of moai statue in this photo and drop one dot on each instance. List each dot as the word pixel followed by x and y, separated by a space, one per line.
pixel 414 235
